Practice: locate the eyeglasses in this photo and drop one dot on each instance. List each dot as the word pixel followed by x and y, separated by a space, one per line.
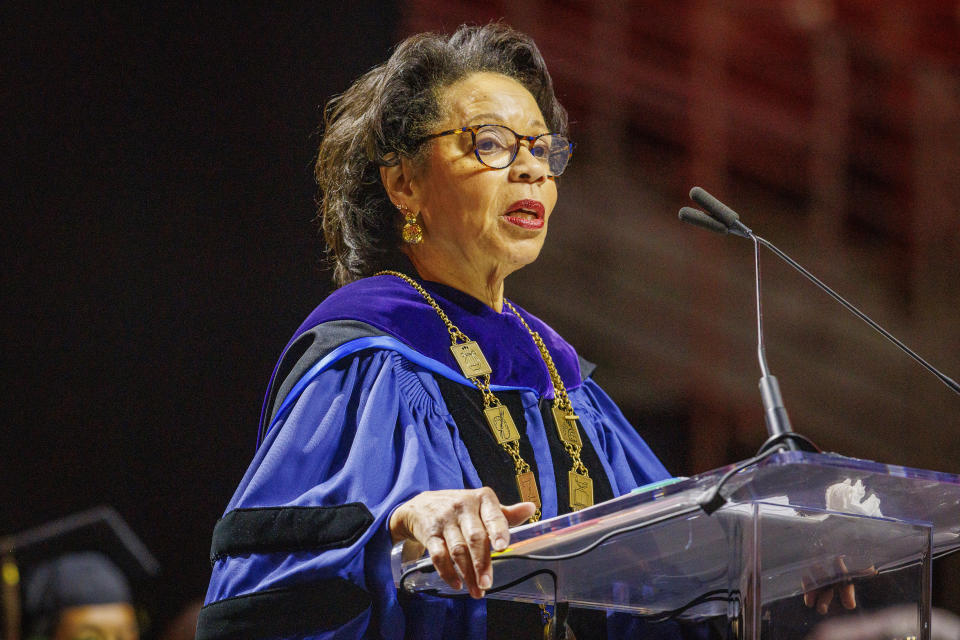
pixel 497 146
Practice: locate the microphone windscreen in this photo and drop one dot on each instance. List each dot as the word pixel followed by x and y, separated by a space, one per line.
pixel 700 219
pixel 714 207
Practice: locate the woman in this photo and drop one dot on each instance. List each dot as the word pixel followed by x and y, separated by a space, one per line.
pixel 416 402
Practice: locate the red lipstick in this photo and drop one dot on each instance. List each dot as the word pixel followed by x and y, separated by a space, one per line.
pixel 526 213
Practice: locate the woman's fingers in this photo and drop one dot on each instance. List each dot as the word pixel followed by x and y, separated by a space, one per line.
pixel 440 557
pixel 494 520
pixel 846 592
pixel 809 592
pixel 818 597
pixel 824 598
pixel 462 557
pixel 848 596
pixel 459 528
pixel 518 513
pixel 478 544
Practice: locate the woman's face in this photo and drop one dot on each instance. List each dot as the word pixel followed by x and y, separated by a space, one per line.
pixel 480 222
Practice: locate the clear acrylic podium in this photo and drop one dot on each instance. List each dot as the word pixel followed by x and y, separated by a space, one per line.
pixel 746 567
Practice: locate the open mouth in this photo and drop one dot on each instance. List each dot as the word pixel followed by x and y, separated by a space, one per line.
pixel 528 214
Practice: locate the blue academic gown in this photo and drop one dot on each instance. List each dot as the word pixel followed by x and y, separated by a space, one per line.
pixel 364 428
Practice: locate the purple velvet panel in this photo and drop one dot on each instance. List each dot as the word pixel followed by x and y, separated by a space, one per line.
pixel 393 306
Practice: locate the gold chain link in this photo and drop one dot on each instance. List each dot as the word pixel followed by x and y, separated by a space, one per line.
pixel 559 390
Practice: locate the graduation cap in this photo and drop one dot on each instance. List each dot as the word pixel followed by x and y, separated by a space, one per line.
pixel 91 557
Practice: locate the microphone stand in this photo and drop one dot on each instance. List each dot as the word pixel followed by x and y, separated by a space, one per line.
pixel 775 414
pixel 781 433
pixel 724 220
pixel 945 379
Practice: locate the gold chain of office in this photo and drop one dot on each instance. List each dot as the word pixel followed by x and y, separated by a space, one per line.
pixel 475 368
pixel 562 407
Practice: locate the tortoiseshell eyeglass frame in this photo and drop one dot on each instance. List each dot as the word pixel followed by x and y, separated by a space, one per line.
pixel 474 129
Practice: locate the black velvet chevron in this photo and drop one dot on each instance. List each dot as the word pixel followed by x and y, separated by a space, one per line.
pixel 288 529
pixel 295 611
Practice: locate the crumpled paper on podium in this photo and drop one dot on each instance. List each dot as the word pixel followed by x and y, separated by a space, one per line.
pixel 848 497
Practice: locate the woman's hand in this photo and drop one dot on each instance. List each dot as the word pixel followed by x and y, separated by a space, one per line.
pixel 459 527
pixel 822 598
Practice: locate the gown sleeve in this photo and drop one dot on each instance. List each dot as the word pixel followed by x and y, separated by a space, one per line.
pixel 303 547
pixel 630 461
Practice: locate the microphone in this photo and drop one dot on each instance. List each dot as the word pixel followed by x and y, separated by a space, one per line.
pixel 724 214
pixel 700 219
pixel 725 220
pixel 730 221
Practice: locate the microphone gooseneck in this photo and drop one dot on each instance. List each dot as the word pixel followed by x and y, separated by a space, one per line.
pixel 730 220
pixel 944 378
pixel 774 413
pixel 725 220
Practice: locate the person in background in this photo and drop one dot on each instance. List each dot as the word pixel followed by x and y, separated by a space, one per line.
pixel 184 624
pixel 75 578
pixel 79 596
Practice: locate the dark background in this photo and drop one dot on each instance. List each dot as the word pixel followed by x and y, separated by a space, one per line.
pixel 159 244
pixel 159 251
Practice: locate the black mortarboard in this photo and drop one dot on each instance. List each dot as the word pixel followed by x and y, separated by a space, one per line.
pixel 90 557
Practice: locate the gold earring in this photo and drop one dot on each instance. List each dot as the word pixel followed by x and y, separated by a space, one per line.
pixel 412 232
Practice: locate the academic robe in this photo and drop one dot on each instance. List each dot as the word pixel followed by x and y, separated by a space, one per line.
pixel 366 409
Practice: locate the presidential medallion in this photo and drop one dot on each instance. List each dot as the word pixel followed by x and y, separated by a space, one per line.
pixel 471 360
pixel 527 484
pixel 581 491
pixel 566 424
pixel 501 424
